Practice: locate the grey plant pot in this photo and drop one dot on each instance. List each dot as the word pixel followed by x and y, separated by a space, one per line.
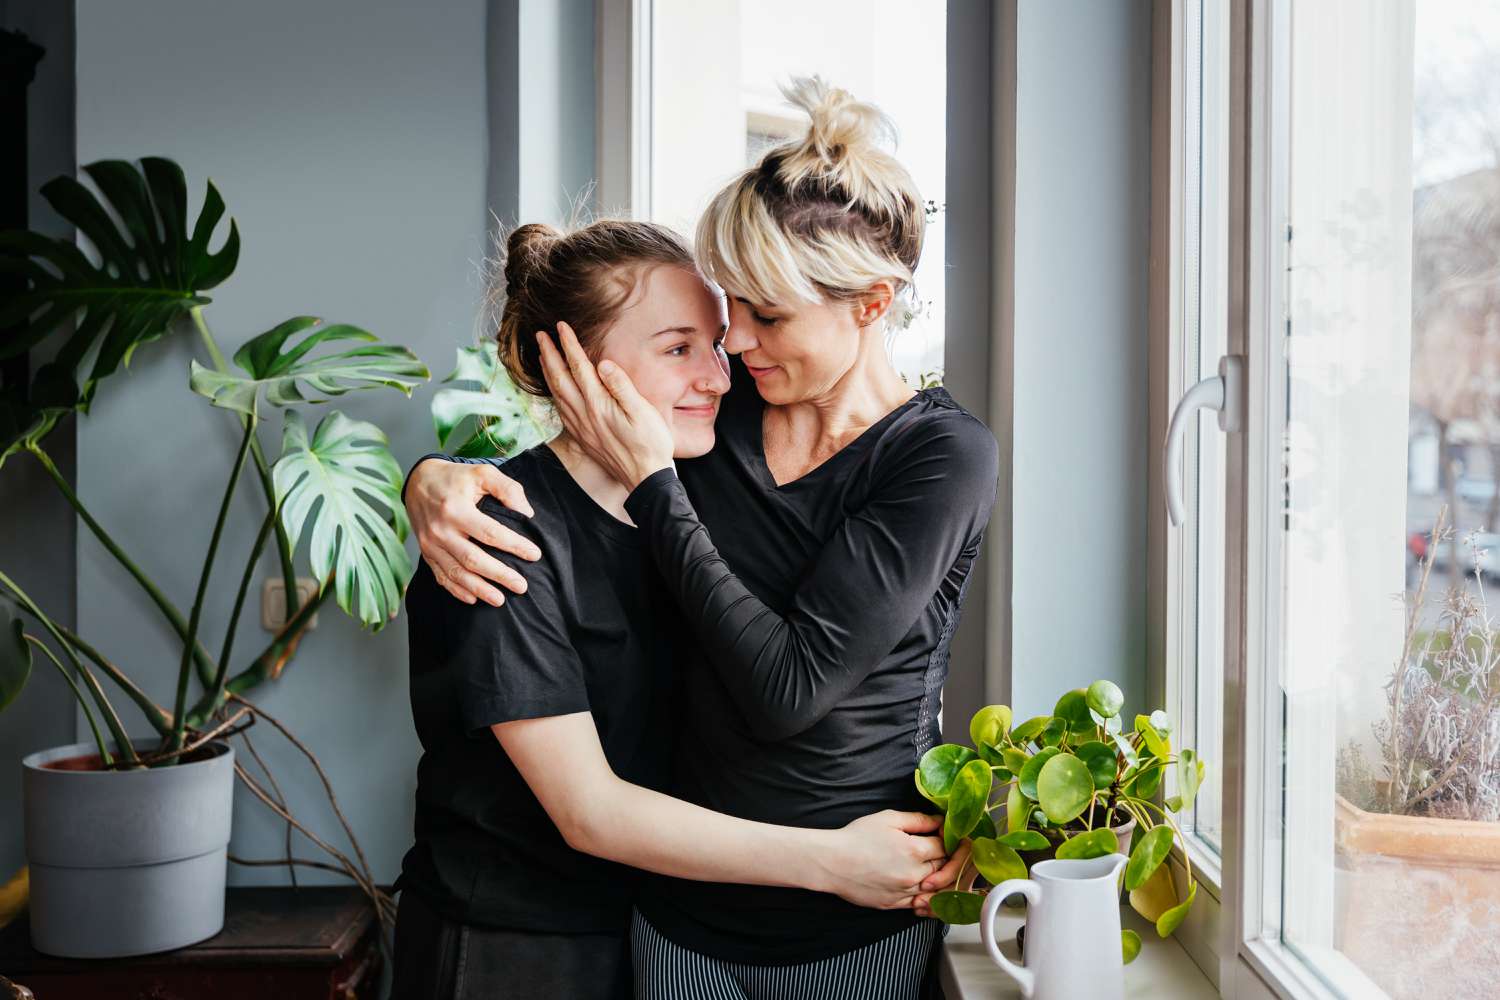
pixel 126 862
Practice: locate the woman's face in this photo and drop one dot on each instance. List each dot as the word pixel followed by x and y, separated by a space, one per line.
pixel 795 353
pixel 668 340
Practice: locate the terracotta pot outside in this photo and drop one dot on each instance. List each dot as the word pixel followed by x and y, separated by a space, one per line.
pixel 1420 901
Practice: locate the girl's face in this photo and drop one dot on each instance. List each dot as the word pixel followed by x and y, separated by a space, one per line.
pixel 799 352
pixel 668 339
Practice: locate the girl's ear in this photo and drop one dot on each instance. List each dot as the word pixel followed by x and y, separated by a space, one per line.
pixel 872 306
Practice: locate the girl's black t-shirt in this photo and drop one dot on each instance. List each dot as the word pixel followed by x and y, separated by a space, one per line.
pixel 587 636
pixel 823 610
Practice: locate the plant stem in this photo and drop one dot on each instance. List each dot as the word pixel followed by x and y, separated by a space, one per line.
pixel 179 714
pixel 215 693
pixel 283 543
pixel 153 712
pixel 88 713
pixel 111 719
pixel 167 608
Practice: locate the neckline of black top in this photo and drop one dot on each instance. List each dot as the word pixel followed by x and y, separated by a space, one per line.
pixel 587 507
pixel 855 447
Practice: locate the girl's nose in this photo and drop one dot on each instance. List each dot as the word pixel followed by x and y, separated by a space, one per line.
pixel 714 378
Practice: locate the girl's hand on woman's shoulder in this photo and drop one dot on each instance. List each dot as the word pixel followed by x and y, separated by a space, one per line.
pixel 880 860
pixel 442 501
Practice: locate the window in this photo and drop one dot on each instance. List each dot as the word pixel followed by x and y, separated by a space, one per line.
pixel 1370 735
pixel 716 106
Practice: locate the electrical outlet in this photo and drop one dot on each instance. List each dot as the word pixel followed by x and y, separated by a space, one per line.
pixel 273 602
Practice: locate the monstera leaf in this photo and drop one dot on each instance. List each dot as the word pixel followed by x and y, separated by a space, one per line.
pixel 343 488
pixel 485 405
pixel 15 656
pixel 284 374
pixel 150 271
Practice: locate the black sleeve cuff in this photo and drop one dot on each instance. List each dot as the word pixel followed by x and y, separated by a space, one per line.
pixel 655 488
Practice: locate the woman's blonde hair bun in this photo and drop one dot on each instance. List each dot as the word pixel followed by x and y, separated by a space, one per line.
pixel 822 216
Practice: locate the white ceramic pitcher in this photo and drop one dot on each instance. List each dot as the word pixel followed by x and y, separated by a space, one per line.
pixel 1072 930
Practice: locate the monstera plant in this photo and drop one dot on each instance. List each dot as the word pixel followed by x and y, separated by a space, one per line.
pixel 334 483
pixel 1073 784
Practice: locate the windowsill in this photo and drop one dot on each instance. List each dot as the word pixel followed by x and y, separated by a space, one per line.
pixel 1162 969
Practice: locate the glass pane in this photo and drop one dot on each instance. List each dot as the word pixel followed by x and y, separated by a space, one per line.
pixel 716 107
pixel 1389 361
pixel 1200 592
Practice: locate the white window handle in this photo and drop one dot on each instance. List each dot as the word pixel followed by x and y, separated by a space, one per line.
pixel 1224 392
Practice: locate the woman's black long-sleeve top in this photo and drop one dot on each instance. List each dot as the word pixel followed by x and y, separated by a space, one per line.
pixel 824 609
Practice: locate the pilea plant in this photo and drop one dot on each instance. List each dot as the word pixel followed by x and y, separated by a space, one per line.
pixel 1071 784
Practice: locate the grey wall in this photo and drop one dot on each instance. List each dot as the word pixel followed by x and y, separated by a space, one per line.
pixel 1080 451
pixel 350 141
pixel 37 536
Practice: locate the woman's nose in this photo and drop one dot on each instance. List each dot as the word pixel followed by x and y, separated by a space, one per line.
pixel 739 338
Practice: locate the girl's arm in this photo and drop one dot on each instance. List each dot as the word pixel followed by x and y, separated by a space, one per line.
pixel 877 861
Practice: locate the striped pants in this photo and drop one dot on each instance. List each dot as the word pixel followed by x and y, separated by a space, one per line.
pixel 891 969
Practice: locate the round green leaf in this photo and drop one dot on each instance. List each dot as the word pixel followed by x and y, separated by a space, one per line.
pixel 1064 788
pixel 1025 840
pixel 966 802
pixel 1149 852
pixel 989 724
pixel 1101 761
pixel 1091 844
pixel 1073 709
pixel 1054 732
pixel 1017 809
pixel 957 907
pixel 1148 782
pixel 927 794
pixel 996 862
pixel 938 767
pixel 1030 729
pixel 1187 776
pixel 1155 742
pixel 15 656
pixel 1026 780
pixel 985 827
pixel 1173 918
pixel 1106 698
pixel 990 754
pixel 1130 945
pixel 1015 759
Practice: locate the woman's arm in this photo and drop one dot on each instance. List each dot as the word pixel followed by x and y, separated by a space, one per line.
pixel 878 861
pixel 864 590
pixel 442 496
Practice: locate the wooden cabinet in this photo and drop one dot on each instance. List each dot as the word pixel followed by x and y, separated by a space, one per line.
pixel 315 943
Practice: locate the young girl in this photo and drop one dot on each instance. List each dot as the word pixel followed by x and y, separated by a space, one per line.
pixel 820 554
pixel 545 723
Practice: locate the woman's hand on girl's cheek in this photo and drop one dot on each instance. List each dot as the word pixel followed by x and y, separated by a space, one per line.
pixel 606 416
pixel 441 500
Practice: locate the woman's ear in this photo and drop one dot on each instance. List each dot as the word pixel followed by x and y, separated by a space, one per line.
pixel 875 302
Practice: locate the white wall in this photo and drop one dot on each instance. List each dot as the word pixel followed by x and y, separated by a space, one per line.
pixel 349 141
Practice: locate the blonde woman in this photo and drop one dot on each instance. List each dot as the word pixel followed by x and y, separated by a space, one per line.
pixel 820 554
